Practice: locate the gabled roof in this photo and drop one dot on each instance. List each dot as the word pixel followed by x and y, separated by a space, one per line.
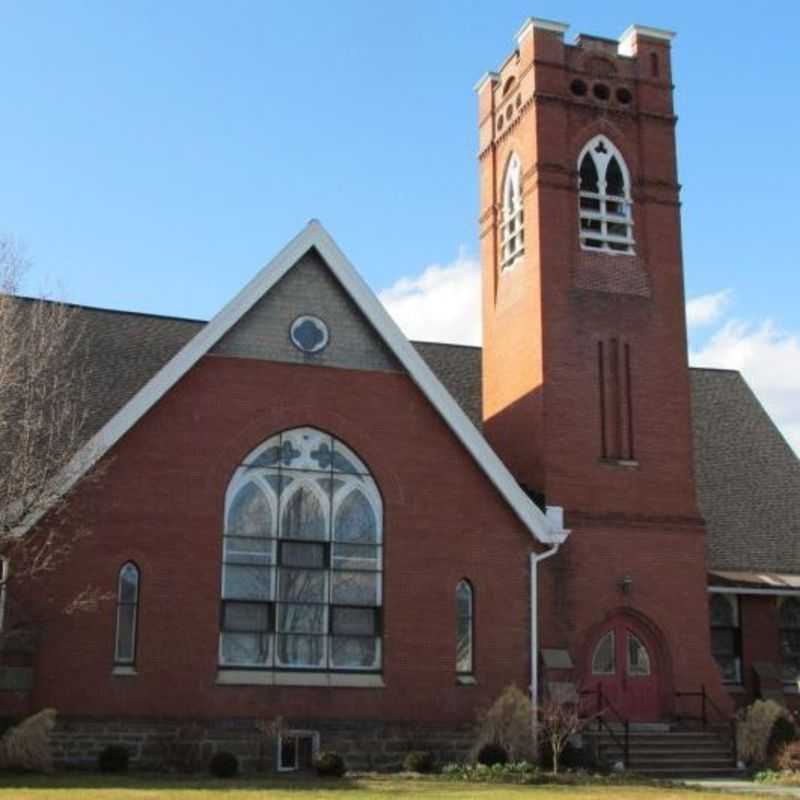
pixel 206 336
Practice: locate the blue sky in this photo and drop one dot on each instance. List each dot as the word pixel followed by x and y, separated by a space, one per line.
pixel 155 155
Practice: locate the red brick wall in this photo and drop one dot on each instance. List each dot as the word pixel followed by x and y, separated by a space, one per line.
pixel 581 594
pixel 161 503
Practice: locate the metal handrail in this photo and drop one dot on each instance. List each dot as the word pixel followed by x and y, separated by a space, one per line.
pixel 603 704
pixel 705 701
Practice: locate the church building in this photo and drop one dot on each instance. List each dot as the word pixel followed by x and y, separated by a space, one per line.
pixel 303 515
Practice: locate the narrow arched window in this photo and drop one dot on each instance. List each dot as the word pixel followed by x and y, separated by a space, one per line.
pixel 127 613
pixel 789 616
pixel 604 191
pixel 3 589
pixel 726 640
pixel 465 655
pixel 512 227
pixel 302 558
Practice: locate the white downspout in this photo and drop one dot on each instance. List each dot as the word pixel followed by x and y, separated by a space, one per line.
pixel 557 515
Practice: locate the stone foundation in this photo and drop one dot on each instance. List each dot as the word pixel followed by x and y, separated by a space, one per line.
pixel 189 745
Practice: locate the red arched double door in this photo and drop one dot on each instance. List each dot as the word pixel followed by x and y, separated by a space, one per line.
pixel 623 661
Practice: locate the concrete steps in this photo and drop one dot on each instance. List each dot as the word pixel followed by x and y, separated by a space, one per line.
pixel 669 753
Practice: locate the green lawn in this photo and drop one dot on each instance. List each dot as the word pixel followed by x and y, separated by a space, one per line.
pixel 100 787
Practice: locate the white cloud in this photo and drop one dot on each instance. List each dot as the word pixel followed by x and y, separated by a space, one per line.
pixel 769 359
pixel 441 304
pixel 707 308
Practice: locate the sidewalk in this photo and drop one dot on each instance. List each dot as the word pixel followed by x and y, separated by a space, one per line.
pixel 747 787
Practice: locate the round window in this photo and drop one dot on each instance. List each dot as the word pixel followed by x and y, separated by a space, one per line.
pixel 309 334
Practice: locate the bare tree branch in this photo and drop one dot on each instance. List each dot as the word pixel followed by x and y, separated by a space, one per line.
pixel 44 379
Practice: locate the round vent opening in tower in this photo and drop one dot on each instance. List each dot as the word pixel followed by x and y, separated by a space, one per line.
pixel 578 87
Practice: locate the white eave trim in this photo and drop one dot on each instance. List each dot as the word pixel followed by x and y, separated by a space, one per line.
pixel 314 235
pixel 744 590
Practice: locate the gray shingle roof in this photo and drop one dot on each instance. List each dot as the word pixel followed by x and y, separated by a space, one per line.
pixel 748 478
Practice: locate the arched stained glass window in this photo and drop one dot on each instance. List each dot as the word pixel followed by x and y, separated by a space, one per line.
pixel 465 656
pixel 127 613
pixel 604 196
pixel 302 558
pixel 512 226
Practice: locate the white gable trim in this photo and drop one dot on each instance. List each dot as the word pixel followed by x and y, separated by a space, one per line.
pixel 544 529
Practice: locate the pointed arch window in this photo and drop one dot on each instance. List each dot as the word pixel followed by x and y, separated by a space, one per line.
pixel 302 559
pixel 512 227
pixel 789 621
pixel 465 653
pixel 726 639
pixel 605 205
pixel 127 615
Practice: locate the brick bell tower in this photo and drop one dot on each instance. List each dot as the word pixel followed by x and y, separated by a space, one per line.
pixel 585 380
pixel 585 377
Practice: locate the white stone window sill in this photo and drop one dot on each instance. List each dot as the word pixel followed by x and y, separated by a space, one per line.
pixel 620 462
pixel 247 677
pixel 466 680
pixel 124 671
pixel 734 688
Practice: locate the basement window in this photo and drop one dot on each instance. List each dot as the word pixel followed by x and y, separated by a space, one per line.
pixel 297 751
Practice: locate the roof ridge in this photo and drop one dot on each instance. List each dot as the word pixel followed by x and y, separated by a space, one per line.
pixel 716 369
pixel 85 307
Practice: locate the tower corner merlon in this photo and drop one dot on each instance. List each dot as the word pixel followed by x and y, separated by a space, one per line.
pixel 487 79
pixel 537 23
pixel 630 39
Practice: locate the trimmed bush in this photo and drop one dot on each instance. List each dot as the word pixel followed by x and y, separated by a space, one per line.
pixel 223 765
pixel 418 761
pixel 330 765
pixel 783 732
pixel 507 722
pixel 26 746
pixel 788 759
pixel 491 754
pixel 754 731
pixel 113 758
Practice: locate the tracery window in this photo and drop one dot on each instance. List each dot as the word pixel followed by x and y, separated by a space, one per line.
pixel 789 615
pixel 302 558
pixel 726 644
pixel 127 613
pixel 512 227
pixel 604 190
pixel 464 629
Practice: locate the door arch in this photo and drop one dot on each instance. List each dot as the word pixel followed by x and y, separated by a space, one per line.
pixel 625 662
